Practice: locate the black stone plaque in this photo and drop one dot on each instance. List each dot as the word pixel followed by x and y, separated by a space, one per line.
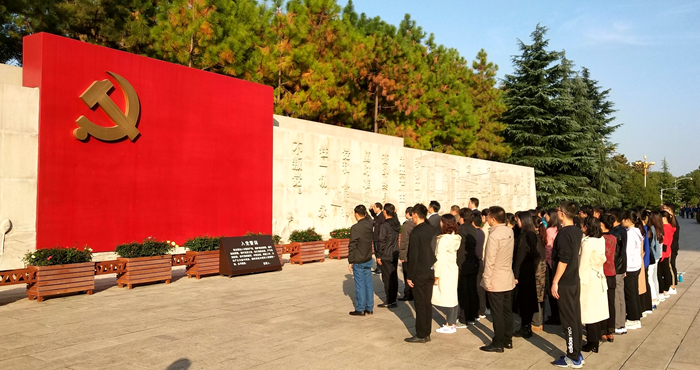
pixel 248 254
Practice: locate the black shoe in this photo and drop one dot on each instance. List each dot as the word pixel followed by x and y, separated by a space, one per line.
pixel 388 305
pixel 369 312
pixel 527 333
pixel 590 347
pixel 415 339
pixel 509 345
pixel 519 333
pixel 404 299
pixel 357 313
pixel 491 348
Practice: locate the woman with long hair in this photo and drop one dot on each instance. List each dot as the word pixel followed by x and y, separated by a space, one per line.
pixel 656 239
pixel 594 286
pixel 527 259
pixel 674 247
pixel 607 222
pixel 447 272
pixel 553 227
pixel 644 287
pixel 665 276
pixel 635 237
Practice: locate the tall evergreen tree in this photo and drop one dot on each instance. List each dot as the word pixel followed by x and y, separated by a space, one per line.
pixel 543 122
pixel 488 108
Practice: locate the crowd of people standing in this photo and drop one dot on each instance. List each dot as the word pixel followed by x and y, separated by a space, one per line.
pixel 604 270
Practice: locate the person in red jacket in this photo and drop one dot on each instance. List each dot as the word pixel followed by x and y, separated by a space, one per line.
pixel 607 222
pixel 665 277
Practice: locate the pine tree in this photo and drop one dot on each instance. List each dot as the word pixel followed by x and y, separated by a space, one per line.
pixel 488 108
pixel 543 123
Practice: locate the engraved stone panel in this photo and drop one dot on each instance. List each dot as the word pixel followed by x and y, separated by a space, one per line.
pixel 328 170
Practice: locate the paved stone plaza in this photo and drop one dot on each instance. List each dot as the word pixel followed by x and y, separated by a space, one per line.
pixel 298 319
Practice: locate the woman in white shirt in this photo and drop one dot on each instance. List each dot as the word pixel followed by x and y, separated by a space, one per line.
pixel 594 285
pixel 635 238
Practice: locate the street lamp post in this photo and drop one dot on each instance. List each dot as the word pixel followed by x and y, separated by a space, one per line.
pixel 675 186
pixel 662 193
pixel 646 165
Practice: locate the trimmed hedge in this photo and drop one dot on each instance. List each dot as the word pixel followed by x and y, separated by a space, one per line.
pixel 308 235
pixel 341 233
pixel 58 256
pixel 203 243
pixel 149 248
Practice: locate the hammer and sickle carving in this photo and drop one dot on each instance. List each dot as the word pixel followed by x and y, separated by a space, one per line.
pixel 125 122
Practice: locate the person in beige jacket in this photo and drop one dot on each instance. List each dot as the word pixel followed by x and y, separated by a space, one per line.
pixel 498 279
pixel 594 286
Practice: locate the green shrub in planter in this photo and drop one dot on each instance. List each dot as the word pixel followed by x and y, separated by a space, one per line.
pixel 58 256
pixel 308 235
pixel 341 233
pixel 203 243
pixel 275 238
pixel 149 248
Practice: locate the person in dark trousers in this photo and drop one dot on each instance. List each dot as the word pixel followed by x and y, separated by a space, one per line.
pixel 480 244
pixel 434 217
pixel 566 285
pixel 360 262
pixel 421 276
pixel 468 265
pixel 674 245
pixel 528 253
pixel 378 216
pixel 406 229
pixel 620 234
pixel 498 279
pixel 387 253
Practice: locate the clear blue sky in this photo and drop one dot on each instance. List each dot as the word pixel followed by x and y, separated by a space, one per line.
pixel 646 52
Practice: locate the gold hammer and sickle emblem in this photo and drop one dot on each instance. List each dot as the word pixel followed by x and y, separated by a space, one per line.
pixel 125 122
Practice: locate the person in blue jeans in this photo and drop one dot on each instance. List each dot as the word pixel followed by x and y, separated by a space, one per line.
pixel 360 262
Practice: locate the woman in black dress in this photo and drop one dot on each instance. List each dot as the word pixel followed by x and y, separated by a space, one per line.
pixel 528 253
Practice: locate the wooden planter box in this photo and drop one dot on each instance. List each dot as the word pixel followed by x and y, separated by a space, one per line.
pixel 306 252
pixel 337 248
pixel 205 263
pixel 61 279
pixel 145 270
pixel 280 250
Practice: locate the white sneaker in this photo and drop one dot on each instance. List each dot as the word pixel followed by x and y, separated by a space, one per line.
pixel 662 297
pixel 649 312
pixel 655 302
pixel 447 329
pixel 672 291
pixel 480 317
pixel 632 325
pixel 644 314
pixel 667 295
pixel 620 331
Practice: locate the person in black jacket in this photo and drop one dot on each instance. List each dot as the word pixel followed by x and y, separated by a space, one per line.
pixel 528 253
pixel 387 252
pixel 376 211
pixel 406 229
pixel 433 217
pixel 360 262
pixel 421 276
pixel 620 233
pixel 468 264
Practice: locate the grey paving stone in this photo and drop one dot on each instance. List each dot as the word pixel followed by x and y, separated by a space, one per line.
pixel 297 319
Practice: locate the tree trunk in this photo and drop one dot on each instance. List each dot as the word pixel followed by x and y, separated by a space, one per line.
pixel 376 107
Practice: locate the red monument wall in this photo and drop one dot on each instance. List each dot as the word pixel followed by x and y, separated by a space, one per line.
pixel 201 163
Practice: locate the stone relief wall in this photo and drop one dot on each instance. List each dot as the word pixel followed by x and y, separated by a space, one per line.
pixel 320 177
pixel 19 148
